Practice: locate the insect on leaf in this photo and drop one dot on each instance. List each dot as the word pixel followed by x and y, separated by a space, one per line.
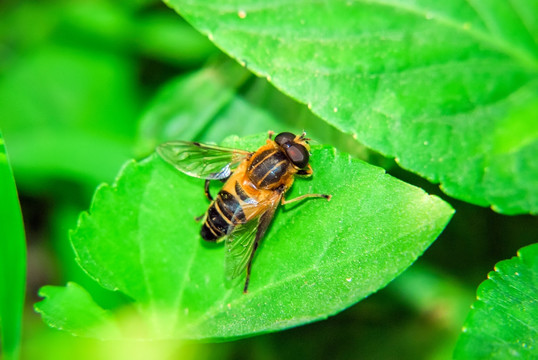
pixel 448 88
pixel 316 259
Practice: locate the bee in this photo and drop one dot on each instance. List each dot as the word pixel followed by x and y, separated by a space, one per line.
pixel 254 185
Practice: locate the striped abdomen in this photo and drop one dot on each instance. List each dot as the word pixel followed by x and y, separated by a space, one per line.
pixel 222 216
pixel 266 169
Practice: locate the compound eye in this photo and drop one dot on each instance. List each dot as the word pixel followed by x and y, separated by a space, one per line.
pixel 284 137
pixel 298 155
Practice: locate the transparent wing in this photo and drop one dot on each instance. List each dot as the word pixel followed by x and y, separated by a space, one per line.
pixel 200 160
pixel 239 246
pixel 243 241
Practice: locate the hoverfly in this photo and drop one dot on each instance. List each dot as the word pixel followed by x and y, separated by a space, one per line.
pixel 255 183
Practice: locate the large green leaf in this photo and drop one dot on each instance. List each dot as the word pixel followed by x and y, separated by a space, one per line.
pixel 503 322
pixel 224 99
pixel 447 88
pixel 12 260
pixel 318 257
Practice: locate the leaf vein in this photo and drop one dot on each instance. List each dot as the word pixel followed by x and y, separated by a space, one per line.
pixel 212 311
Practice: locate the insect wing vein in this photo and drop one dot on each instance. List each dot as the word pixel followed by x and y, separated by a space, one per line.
pixel 200 160
pixel 241 242
pixel 239 246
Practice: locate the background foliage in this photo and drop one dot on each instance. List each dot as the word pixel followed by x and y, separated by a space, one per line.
pixel 86 86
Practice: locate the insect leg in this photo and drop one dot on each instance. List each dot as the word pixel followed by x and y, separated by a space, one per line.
pixel 249 265
pixel 270 133
pixel 305 172
pixel 206 190
pixel 299 198
pixel 265 221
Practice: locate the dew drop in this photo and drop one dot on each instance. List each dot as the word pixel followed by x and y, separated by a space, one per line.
pixel 309 106
pixel 242 14
pixel 335 109
pixel 210 36
pixel 349 279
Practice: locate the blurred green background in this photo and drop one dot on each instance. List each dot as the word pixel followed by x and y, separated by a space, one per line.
pixel 82 88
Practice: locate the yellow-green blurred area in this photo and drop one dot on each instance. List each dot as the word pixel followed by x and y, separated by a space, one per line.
pixel 76 81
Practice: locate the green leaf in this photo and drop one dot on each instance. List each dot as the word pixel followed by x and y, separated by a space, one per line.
pixel 503 322
pixel 447 88
pixel 91 320
pixel 12 260
pixel 317 258
pixel 62 218
pixel 80 125
pixel 224 99
pixel 162 36
pixel 189 103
